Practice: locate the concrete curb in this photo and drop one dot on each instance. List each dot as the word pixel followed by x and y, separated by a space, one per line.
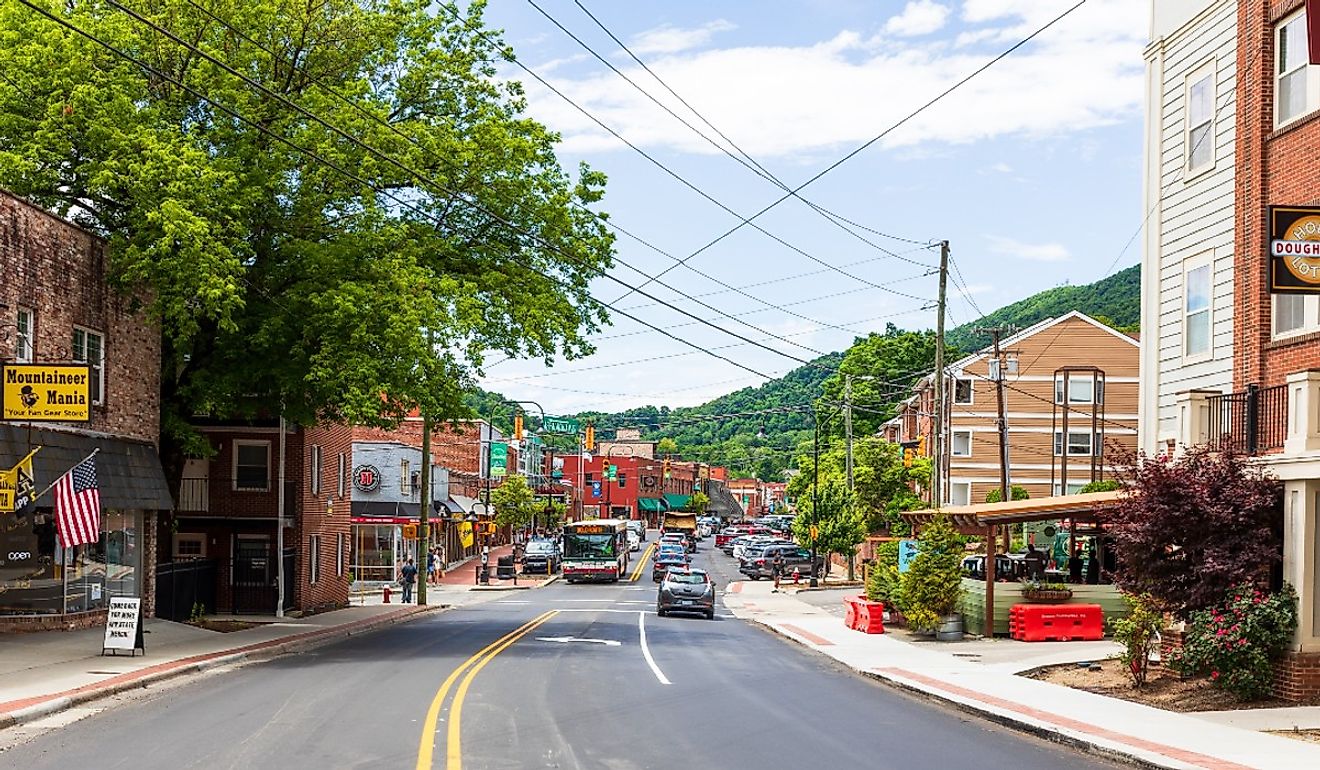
pixel 1007 720
pixel 46 705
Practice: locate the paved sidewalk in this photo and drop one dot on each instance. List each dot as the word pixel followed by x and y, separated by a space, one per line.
pixel 1147 735
pixel 41 674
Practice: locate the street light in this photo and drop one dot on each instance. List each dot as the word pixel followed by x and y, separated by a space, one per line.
pixel 815 487
pixel 483 565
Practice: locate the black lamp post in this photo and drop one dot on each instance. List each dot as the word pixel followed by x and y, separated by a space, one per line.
pixel 815 488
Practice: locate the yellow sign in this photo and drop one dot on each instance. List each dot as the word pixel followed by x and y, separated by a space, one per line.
pixel 815 532
pixel 46 392
pixel 409 531
pixel 17 485
pixel 465 534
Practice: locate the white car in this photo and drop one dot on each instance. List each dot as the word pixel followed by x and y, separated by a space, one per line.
pixel 740 549
pixel 634 541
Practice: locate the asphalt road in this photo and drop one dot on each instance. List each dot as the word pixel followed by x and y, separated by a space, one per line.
pixel 566 682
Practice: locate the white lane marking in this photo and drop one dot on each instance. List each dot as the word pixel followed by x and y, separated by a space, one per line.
pixel 512 601
pixel 584 600
pixel 646 650
pixel 632 602
pixel 567 639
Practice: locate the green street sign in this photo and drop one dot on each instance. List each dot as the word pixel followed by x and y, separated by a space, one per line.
pixel 612 472
pixel 560 425
pixel 499 459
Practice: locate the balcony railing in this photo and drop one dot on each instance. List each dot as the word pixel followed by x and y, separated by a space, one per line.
pixel 1251 422
pixel 198 495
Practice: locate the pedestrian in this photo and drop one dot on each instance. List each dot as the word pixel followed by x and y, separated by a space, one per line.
pixel 1092 567
pixel 430 567
pixel 1035 562
pixel 1075 566
pixel 407 576
pixel 777 567
pixel 440 562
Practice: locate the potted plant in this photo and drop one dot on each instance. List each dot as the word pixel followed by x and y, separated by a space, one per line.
pixel 1041 591
pixel 932 584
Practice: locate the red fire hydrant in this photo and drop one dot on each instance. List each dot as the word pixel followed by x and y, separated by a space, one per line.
pixel 387 595
pixel 797 575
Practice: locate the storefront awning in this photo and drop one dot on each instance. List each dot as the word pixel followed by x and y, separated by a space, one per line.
pixel 128 473
pixel 974 518
pixel 471 505
pixel 387 509
pixel 675 502
pixel 650 505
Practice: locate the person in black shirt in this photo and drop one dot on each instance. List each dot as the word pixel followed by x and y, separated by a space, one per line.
pixel 1075 563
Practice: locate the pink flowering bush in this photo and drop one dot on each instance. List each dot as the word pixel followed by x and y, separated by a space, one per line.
pixel 1234 643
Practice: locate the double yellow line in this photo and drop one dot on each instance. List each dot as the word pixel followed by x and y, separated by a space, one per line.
pixel 473 665
pixel 641 563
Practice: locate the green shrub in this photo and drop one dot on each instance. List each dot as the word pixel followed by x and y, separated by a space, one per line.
pixel 1018 493
pixel 883 581
pixel 932 585
pixel 1137 632
pixel 1236 642
pixel 1108 485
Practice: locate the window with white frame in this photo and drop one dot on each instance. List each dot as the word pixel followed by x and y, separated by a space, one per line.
pixel 89 348
pixel 962 391
pixel 961 444
pixel 1080 442
pixel 189 545
pixel 314 464
pixel 1073 487
pixel 341 477
pixel 405 477
pixel 314 558
pixel 1200 112
pixel 25 336
pixel 1294 313
pixel 960 493
pixel 339 552
pixel 252 465
pixel 1296 87
pixel 1082 389
pixel 1196 310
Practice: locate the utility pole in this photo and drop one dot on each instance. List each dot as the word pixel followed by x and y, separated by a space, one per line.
pixel 937 420
pixel 1001 420
pixel 848 461
pixel 424 513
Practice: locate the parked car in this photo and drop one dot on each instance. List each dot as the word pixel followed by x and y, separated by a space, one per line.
pixel 634 542
pixel 739 550
pixel 541 556
pixel 666 560
pixel 664 548
pixel 795 557
pixel 638 526
pixel 686 590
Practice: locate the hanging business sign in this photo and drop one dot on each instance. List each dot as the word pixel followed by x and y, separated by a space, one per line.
pixel 123 625
pixel 46 392
pixel 17 485
pixel 1294 249
pixel 366 478
pixel 499 459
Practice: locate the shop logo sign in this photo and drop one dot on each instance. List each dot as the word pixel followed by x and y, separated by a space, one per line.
pixel 366 478
pixel 46 392
pixel 1294 249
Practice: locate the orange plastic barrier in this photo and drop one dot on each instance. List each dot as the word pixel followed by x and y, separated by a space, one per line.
pixel 864 615
pixel 1056 622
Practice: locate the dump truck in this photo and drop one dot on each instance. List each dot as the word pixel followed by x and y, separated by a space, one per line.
pixel 678 521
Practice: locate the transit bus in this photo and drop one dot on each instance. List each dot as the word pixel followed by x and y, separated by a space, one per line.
pixel 595 550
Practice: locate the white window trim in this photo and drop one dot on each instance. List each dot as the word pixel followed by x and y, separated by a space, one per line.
pixel 1097 385
pixel 234 475
pixel 1058 445
pixel 25 348
pixel 952 443
pixel 98 367
pixel 339 552
pixel 1312 76
pixel 405 477
pixel 1189 265
pixel 197 537
pixel 314 464
pixel 967 485
pixel 314 559
pixel 341 478
pixel 1208 69
pixel 1071 484
pixel 1310 316
pixel 971 391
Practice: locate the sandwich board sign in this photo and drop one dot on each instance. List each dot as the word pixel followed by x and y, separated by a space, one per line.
pixel 123 626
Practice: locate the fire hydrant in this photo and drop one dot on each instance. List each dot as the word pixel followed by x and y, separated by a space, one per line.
pixel 797 575
pixel 387 595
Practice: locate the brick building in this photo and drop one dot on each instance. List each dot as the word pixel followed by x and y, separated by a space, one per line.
pixel 56 305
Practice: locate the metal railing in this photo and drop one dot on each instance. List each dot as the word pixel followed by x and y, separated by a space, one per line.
pixel 195 496
pixel 1251 421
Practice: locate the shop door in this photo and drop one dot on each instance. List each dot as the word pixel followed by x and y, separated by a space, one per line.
pixel 254 575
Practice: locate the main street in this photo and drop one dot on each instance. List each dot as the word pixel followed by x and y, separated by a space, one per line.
pixel 566 676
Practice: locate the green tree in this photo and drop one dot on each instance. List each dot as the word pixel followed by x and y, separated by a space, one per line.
pixel 666 446
pixel 932 584
pixel 1017 492
pixel 883 368
pixel 515 503
pixel 698 502
pixel 277 281
pixel 840 526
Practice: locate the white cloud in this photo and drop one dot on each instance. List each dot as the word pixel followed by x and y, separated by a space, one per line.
pixel 667 39
pixel 919 17
pixel 796 101
pixel 1034 252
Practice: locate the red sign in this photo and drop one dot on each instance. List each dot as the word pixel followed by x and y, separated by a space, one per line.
pixel 1313 29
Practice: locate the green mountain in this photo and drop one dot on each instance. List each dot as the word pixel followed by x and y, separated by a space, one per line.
pixel 1115 300
pixel 777 407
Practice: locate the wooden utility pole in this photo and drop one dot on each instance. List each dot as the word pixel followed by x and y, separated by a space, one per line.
pixel 848 456
pixel 1001 424
pixel 937 420
pixel 424 513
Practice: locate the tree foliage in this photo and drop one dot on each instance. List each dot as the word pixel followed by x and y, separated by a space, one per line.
pixel 279 282
pixel 515 503
pixel 1190 529
pixel 1018 493
pixel 884 368
pixel 840 526
pixel 932 584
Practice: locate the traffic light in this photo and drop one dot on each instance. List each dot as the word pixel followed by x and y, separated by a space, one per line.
pixel 921 445
pixel 517 427
pixel 590 440
pixel 907 457
pixel 666 468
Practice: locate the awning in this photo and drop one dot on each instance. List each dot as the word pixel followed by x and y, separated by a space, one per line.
pixel 452 506
pixel 675 502
pixel 650 505
pixel 398 509
pixel 974 518
pixel 471 505
pixel 128 473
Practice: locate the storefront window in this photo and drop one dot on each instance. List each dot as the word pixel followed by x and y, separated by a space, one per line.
pixel 373 556
pixel 31 581
pixel 39 577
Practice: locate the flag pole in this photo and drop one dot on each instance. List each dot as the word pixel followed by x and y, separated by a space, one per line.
pixel 42 493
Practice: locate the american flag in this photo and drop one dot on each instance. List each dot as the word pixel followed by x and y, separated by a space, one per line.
pixel 78 506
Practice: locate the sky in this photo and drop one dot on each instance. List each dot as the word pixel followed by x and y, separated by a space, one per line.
pixel 1031 171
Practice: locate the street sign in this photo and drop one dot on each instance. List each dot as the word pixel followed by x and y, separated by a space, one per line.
pixel 907 551
pixel 612 472
pixel 499 459
pixel 409 531
pixel 560 425
pixel 595 489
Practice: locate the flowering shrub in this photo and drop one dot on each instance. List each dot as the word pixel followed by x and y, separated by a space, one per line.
pixel 1234 642
pixel 1138 632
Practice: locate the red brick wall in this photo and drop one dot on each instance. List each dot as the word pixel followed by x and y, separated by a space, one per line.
pixel 59 271
pixel 325 515
pixel 1297 677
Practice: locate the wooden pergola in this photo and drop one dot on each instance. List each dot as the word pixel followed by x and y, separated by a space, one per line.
pixel 983 519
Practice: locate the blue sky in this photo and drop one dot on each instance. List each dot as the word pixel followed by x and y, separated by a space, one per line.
pixel 1032 170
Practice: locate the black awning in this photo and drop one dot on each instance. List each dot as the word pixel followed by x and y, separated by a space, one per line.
pixel 392 509
pixel 128 473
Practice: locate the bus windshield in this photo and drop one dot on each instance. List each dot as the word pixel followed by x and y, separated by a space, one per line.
pixel 579 546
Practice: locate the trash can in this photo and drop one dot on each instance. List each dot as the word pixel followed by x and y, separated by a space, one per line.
pixel 504 569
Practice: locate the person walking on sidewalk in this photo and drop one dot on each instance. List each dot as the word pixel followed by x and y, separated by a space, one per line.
pixel 407 576
pixel 777 568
